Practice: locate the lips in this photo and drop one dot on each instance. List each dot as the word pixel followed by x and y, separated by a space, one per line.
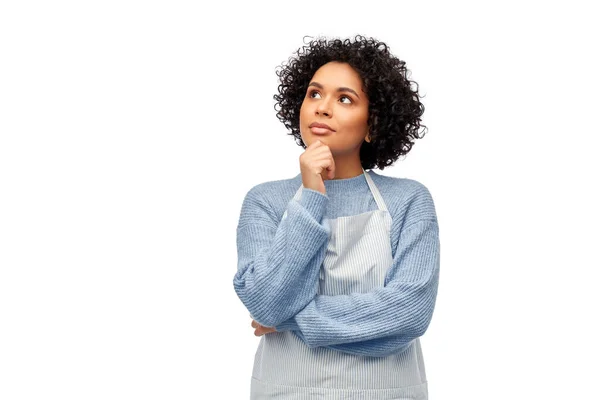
pixel 320 125
pixel 320 129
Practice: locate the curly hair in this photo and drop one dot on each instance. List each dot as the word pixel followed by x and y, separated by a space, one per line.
pixel 394 107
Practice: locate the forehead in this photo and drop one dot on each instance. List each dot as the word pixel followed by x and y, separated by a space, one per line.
pixel 337 74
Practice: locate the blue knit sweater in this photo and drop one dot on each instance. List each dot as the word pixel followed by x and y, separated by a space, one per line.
pixel 279 263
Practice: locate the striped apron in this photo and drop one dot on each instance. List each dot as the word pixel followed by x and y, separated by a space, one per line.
pixel 358 256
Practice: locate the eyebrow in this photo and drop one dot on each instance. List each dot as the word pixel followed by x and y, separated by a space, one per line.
pixel 340 89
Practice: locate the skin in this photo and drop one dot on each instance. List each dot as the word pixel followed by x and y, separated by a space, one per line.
pixel 260 330
pixel 335 155
pixel 346 112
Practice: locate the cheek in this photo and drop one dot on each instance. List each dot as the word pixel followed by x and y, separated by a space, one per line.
pixel 356 126
pixel 355 120
pixel 303 109
pixel 303 118
pixel 362 119
pixel 305 114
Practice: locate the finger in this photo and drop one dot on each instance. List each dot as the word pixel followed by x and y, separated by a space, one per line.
pixel 315 144
pixel 320 154
pixel 319 146
pixel 331 172
pixel 323 165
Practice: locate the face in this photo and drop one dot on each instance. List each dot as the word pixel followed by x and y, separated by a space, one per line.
pixel 335 97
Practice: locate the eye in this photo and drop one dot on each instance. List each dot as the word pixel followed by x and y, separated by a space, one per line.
pixel 310 95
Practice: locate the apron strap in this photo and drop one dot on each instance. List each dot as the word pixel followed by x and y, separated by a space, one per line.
pixel 375 191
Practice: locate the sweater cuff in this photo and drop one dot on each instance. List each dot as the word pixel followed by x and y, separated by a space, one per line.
pixel 314 202
pixel 289 325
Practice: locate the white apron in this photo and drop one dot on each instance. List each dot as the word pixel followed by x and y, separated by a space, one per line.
pixel 358 256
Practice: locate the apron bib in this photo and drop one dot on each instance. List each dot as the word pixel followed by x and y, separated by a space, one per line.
pixel 358 256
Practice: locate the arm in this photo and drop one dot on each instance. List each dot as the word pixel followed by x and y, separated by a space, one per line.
pixel 279 261
pixel 388 318
pixel 380 347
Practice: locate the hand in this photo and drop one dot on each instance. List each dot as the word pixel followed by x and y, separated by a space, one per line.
pixel 261 330
pixel 316 164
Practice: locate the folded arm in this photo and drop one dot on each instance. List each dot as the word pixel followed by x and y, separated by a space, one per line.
pixel 380 347
pixel 279 261
pixel 386 319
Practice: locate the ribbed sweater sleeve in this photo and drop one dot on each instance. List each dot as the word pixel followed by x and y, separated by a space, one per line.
pixel 279 260
pixel 386 319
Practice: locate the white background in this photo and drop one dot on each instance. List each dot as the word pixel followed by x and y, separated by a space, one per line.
pixel 131 131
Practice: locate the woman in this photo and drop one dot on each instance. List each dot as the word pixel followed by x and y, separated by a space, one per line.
pixel 339 266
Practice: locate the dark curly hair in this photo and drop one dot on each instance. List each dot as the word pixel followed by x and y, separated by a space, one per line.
pixel 394 107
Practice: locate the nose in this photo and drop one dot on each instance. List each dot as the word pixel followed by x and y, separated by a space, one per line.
pixel 324 108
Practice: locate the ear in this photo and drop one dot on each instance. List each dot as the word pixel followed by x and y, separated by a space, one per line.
pixel 368 138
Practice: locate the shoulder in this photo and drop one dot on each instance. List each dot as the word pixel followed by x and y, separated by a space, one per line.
pixel 269 198
pixel 406 198
pixel 265 191
pixel 402 189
